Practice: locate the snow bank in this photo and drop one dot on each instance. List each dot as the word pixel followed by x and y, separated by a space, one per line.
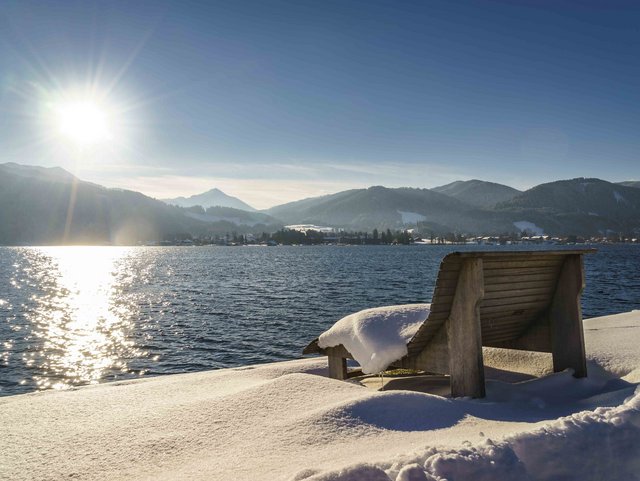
pixel 377 337
pixel 588 446
pixel 288 421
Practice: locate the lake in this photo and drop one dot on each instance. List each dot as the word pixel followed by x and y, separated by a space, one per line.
pixel 79 315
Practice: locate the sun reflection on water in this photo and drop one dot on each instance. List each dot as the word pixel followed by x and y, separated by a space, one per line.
pixel 81 328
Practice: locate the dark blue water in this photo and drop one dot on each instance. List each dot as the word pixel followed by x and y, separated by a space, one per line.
pixel 78 315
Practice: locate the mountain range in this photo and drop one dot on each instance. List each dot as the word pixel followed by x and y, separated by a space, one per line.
pixel 51 206
pixel 586 207
pixel 211 198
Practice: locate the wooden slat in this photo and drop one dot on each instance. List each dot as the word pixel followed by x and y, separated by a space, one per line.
pixel 509 264
pixel 521 277
pixel 527 254
pixel 530 284
pixel 511 293
pixel 516 307
pixel 503 316
pixel 505 301
pixel 497 325
pixel 491 341
pixel 497 264
pixel 446 295
pixel 519 271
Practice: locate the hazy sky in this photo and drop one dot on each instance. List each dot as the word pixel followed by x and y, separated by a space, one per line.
pixel 274 101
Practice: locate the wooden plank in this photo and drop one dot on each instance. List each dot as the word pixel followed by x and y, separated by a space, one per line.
pixel 527 316
pixel 536 253
pixel 434 358
pixel 497 326
pixel 502 301
pixel 547 289
pixel 567 337
pixel 312 347
pixel 528 284
pixel 510 293
pixel 513 308
pixel 510 263
pixel 337 365
pixel 464 333
pixel 490 263
pixel 524 277
pixel 496 306
pixel 519 271
pixel 339 351
pixel 537 337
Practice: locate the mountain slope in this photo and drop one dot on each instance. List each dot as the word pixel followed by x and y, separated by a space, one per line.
pixel 230 215
pixel 630 183
pixel 51 206
pixel 211 198
pixel 579 206
pixel 381 207
pixel 478 193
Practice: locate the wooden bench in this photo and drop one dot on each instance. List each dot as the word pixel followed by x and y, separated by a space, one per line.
pixel 526 300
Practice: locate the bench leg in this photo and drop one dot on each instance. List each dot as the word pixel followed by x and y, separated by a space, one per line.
pixel 567 336
pixel 337 367
pixel 466 364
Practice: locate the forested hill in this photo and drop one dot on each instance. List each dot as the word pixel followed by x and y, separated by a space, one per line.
pixel 51 206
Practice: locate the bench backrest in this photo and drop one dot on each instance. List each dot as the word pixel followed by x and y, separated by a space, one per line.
pixel 519 288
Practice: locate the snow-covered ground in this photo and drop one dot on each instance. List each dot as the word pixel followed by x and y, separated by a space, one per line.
pixel 286 421
pixel 411 217
pixel 529 226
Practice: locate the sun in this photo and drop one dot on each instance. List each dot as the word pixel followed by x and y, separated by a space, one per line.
pixel 82 121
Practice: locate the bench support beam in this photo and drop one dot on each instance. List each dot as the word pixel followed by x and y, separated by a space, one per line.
pixel 567 336
pixel 337 362
pixel 464 333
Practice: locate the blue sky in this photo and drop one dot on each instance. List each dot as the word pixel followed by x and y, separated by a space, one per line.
pixel 275 101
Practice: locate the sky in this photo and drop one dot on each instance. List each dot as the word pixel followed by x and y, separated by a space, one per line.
pixel 275 101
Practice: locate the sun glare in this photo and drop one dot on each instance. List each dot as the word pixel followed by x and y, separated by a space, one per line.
pixel 82 121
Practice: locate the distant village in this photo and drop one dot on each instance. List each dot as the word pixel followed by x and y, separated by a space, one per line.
pixel 317 235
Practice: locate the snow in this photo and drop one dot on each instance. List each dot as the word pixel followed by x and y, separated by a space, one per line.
pixel 376 337
pixel 618 197
pixel 529 226
pixel 287 421
pixel 308 227
pixel 411 217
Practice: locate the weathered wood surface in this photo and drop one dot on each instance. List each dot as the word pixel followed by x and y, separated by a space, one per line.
pixel 466 366
pixel 337 364
pixel 433 360
pixel 567 336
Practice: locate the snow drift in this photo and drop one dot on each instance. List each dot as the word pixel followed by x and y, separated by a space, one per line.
pixel 287 421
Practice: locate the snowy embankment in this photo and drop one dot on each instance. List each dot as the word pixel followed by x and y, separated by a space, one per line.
pixel 285 421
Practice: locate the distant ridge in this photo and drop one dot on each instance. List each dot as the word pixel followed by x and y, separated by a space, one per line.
pixel 41 205
pixel 478 193
pixel 50 174
pixel 210 198
pixel 50 206
pixel 631 183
